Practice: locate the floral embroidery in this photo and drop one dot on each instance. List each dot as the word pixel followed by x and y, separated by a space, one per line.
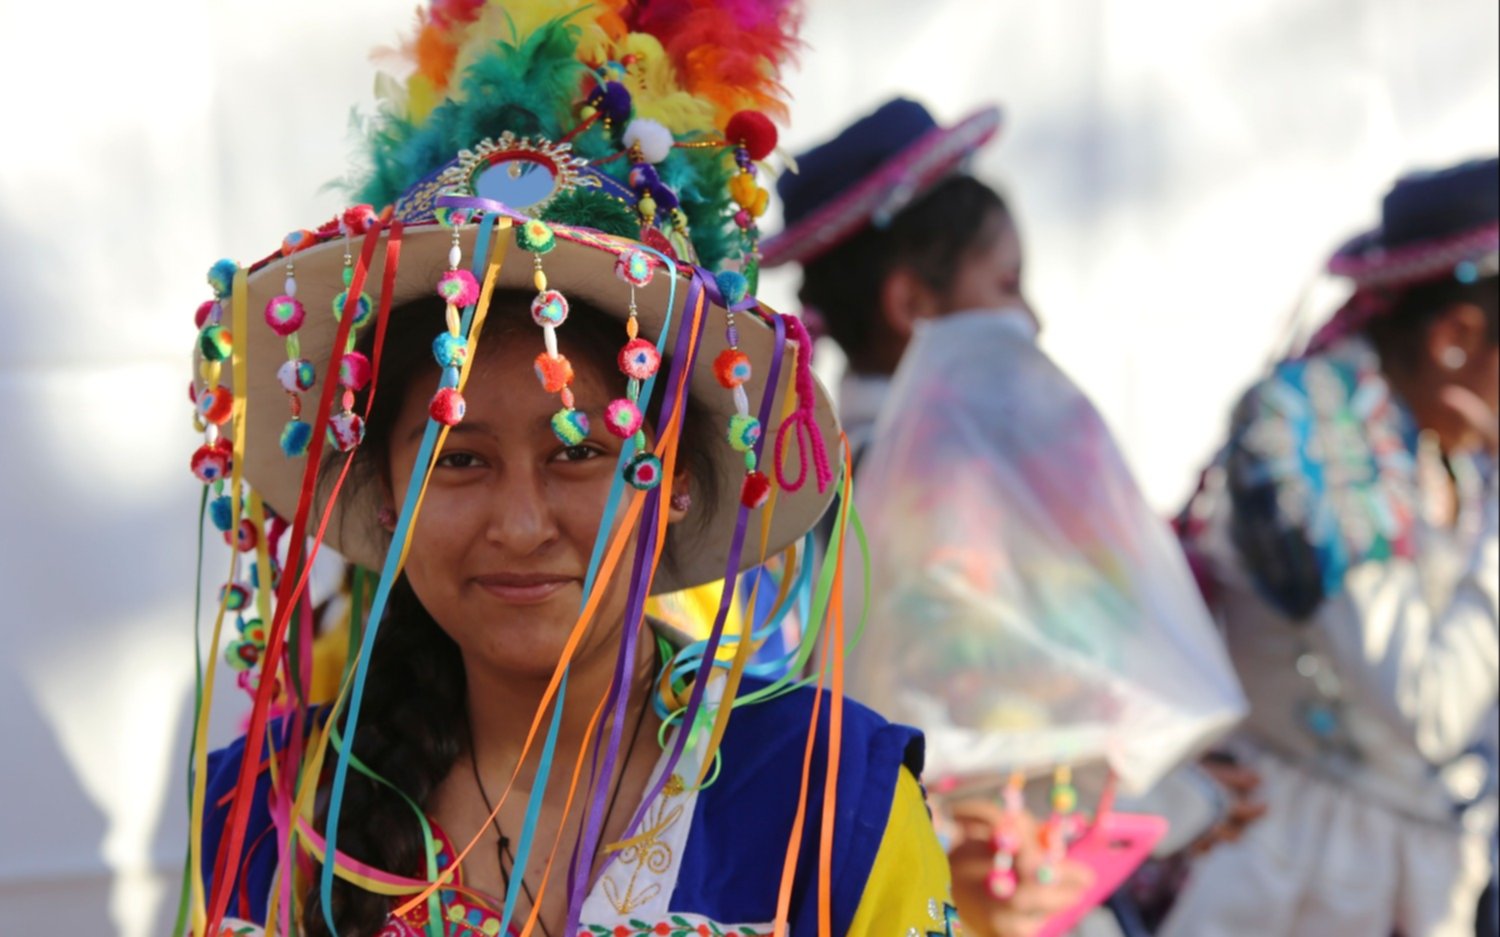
pixel 1321 472
pixel 651 855
pixel 677 925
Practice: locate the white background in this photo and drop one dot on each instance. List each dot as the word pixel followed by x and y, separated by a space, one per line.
pixel 1179 168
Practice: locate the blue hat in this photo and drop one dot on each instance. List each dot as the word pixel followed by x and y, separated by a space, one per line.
pixel 867 174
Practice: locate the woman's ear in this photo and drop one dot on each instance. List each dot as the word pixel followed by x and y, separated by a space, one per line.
pixel 681 501
pixel 905 299
pixel 1457 338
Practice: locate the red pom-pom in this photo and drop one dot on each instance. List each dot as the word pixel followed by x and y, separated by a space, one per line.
pixel 205 309
pixel 357 220
pixel 754 131
pixel 756 490
pixel 447 406
pixel 732 368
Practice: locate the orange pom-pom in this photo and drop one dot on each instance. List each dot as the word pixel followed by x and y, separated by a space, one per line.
pixel 753 131
pixel 555 373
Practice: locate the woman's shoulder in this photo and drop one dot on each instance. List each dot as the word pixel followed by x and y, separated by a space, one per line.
pixel 744 823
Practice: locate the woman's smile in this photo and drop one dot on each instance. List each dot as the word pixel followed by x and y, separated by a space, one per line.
pixel 525 588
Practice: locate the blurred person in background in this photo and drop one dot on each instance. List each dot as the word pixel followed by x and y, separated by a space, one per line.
pixel 906 256
pixel 1346 534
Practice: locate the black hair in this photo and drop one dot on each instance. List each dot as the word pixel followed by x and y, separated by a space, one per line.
pixel 414 722
pixel 931 236
pixel 1398 333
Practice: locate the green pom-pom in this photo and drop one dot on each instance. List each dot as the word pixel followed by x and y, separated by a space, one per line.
pixel 535 237
pixel 587 208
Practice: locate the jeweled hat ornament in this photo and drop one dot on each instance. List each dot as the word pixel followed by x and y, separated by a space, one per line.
pixel 622 147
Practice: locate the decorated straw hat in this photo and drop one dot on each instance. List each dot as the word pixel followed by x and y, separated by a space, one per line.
pixel 616 154
pixel 867 174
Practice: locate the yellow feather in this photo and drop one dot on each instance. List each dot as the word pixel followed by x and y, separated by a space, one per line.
pixel 655 90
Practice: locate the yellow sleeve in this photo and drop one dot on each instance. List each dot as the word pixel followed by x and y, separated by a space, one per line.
pixel 909 889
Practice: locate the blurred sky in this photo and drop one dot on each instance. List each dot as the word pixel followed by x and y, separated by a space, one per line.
pixel 1180 169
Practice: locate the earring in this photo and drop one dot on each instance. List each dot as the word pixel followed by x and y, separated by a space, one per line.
pixel 386 516
pixel 681 501
pixel 1454 358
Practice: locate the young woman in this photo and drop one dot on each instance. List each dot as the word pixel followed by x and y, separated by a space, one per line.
pixel 1348 535
pixel 588 418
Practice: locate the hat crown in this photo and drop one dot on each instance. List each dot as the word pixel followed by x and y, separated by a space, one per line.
pixel 1434 204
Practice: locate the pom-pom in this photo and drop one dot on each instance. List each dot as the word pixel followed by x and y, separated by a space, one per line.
pixel 458 287
pixel 643 472
pixel 346 430
pixel 623 418
pixel 354 370
pixel 535 236
pixel 241 655
pixel 246 537
pixel 284 314
pixel 732 368
pixel 215 343
pixel 212 462
pixel 447 406
pixel 451 217
pixel 570 426
pixel 216 404
pixel 234 596
pixel 749 196
pixel 643 177
pixel 221 277
pixel 363 308
pixel 204 312
pixel 451 351
pixel 753 131
pixel 253 631
pixel 613 102
pixel 635 267
pixel 744 432
pixel 732 286
pixel 639 359
pixel 554 372
pixel 549 308
pixel 756 490
pixel 295 437
pixel 221 512
pixel 1064 798
pixel 296 375
pixel 296 241
pixel 654 140
pixel 356 219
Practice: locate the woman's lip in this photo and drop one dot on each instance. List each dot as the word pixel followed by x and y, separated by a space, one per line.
pixel 523 590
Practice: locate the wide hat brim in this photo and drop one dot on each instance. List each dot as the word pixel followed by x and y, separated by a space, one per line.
pixel 581 265
pixel 891 186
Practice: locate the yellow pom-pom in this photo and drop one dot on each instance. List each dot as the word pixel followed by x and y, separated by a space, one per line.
pixel 761 202
pixel 539 280
pixel 742 189
pixel 587 112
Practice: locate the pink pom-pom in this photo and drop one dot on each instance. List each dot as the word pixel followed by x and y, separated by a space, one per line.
pixel 205 310
pixel 354 371
pixel 246 538
pixel 458 287
pixel 284 314
pixel 639 359
pixel 447 406
pixel 753 131
pixel 623 418
pixel 346 430
pixel 756 491
pixel 635 267
pixel 356 219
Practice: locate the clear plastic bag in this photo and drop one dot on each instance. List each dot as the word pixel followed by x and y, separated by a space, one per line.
pixel 1028 609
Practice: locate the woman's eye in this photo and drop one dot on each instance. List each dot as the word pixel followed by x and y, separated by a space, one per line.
pixel 579 453
pixel 458 460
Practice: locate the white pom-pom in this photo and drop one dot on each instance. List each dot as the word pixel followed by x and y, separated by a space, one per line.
pixel 654 140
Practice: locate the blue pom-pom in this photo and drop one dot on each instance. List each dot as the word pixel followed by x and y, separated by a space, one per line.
pixel 733 287
pixel 221 277
pixel 450 350
pixel 221 511
pixel 294 438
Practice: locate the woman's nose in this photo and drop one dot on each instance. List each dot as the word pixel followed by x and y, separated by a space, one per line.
pixel 521 517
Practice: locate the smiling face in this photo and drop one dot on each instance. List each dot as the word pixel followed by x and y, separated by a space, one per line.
pixel 503 540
